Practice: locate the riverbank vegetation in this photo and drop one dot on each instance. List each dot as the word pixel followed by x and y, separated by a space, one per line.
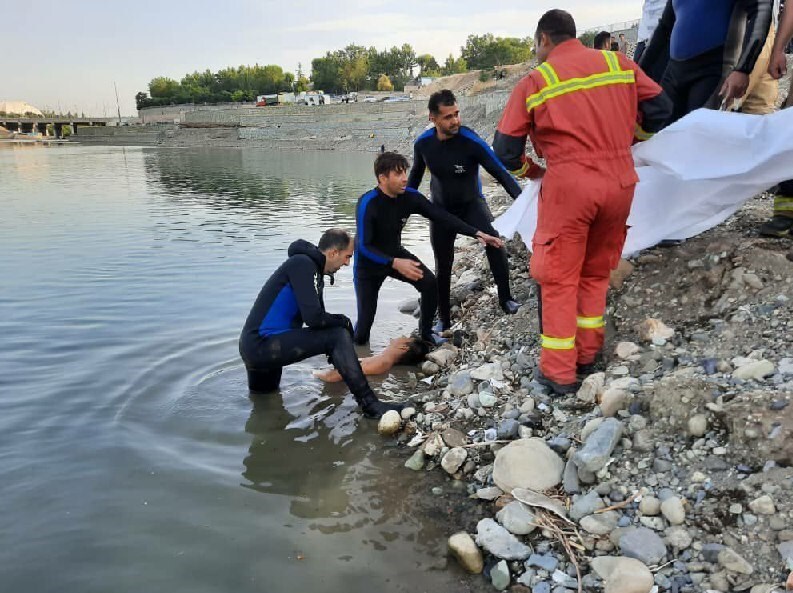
pixel 352 68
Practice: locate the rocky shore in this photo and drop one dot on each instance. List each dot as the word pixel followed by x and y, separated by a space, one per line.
pixel 670 470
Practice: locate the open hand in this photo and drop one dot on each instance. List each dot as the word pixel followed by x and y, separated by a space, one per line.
pixel 490 240
pixel 409 268
pixel 734 87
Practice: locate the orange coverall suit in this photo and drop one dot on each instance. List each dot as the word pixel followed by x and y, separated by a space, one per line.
pixel 581 109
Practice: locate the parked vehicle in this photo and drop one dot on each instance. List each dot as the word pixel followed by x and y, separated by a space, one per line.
pixel 369 99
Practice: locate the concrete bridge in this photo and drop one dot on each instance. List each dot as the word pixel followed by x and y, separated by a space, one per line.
pixel 39 124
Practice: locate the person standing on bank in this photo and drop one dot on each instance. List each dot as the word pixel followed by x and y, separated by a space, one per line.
pixel 274 337
pixel 580 107
pixel 380 216
pixel 453 153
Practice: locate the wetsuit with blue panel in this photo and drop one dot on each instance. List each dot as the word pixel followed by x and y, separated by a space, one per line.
pixel 288 323
pixel 701 38
pixel 379 221
pixel 456 187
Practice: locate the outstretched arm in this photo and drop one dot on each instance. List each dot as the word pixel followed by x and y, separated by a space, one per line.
pixel 417 171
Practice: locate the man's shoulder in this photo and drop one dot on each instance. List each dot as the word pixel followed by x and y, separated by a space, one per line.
pixel 471 136
pixel 427 134
pixel 368 195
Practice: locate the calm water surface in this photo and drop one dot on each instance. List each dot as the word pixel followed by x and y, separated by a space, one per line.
pixel 131 458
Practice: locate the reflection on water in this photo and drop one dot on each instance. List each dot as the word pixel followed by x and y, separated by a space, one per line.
pixel 131 457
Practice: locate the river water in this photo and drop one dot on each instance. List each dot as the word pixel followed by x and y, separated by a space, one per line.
pixel 131 457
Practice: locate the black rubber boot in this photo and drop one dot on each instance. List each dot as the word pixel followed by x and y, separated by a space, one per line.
pixel 510 307
pixel 556 388
pixel 778 226
pixel 374 408
pixel 584 370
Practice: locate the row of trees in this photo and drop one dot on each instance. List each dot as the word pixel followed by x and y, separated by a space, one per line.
pixel 353 68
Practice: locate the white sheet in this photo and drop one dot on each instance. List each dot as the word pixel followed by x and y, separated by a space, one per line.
pixel 692 176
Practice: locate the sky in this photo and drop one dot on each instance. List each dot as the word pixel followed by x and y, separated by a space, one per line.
pixel 66 55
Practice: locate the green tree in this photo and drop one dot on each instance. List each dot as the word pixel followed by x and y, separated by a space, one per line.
pixel 325 72
pixel 587 38
pixel 429 66
pixel 452 66
pixel 163 87
pixel 486 51
pixel 384 83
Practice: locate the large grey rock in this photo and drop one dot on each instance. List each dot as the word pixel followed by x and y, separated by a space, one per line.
pixel 734 562
pixel 678 537
pixel 527 463
pixel 408 306
pixel 590 387
pixel 499 576
pixel 756 370
pixel 491 370
pixel 570 481
pixel 500 542
pixel 586 505
pixel 623 575
pixel 785 550
pixel 614 400
pixel 698 425
pixel 461 384
pixel 416 461
pixel 516 518
pixel 443 357
pixel 600 524
pixel 650 506
pixel 453 459
pixel 463 548
pixel 674 512
pixel 598 447
pixel 763 505
pixel 389 423
pixel 643 544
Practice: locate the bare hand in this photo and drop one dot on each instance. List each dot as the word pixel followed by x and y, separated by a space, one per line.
pixel 486 239
pixel 777 65
pixel 734 87
pixel 409 268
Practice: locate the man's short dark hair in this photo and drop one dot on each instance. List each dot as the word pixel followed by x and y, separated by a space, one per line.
pixel 334 239
pixel 390 161
pixel 416 352
pixel 557 24
pixel 444 97
pixel 602 40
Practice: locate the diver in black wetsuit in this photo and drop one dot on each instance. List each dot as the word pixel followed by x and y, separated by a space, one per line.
pixel 453 153
pixel 380 217
pixel 274 336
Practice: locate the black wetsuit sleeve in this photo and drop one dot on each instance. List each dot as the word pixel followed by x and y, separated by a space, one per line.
pixel 417 171
pixel 491 163
pixel 421 205
pixel 659 42
pixel 367 235
pixel 758 23
pixel 301 277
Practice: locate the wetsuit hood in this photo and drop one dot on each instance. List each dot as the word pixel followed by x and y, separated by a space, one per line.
pixel 303 247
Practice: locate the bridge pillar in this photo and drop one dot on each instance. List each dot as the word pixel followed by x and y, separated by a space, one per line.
pixel 74 128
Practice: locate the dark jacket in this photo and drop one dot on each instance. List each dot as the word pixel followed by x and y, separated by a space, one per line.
pixel 293 296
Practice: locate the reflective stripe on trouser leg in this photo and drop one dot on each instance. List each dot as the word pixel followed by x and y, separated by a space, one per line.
pixel 783 205
pixel 589 337
pixel 552 343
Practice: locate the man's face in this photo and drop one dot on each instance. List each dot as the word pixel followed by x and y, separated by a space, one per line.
pixel 393 183
pixel 447 120
pixel 336 258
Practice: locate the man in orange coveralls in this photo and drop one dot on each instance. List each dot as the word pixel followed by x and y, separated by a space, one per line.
pixel 581 107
